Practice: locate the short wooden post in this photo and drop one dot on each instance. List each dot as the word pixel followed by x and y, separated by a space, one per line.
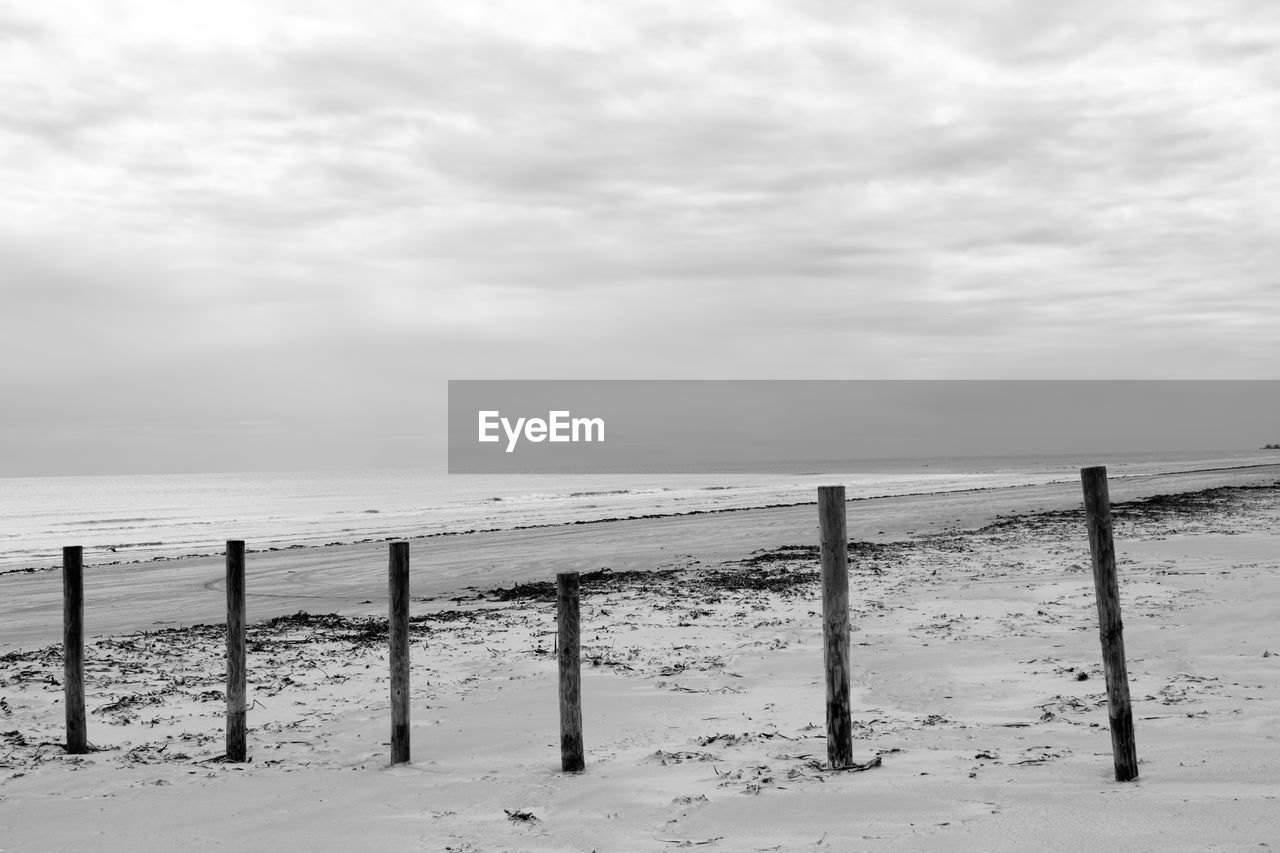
pixel 572 759
pixel 398 625
pixel 1097 507
pixel 73 648
pixel 835 623
pixel 236 659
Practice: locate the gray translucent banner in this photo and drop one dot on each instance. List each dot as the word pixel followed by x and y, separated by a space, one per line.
pixel 678 426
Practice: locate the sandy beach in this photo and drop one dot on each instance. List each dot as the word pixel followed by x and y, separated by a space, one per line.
pixel 978 694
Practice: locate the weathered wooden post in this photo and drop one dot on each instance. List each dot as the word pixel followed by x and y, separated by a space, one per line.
pixel 835 623
pixel 236 660
pixel 1097 508
pixel 572 759
pixel 398 626
pixel 73 648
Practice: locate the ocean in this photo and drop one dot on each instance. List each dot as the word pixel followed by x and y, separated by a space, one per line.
pixel 132 518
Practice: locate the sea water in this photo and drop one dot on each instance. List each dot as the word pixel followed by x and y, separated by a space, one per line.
pixel 142 517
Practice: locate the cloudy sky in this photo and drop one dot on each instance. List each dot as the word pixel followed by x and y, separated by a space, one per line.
pixel 262 235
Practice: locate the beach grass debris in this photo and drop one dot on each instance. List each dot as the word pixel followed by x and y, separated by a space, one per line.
pixel 600 580
pixel 685 842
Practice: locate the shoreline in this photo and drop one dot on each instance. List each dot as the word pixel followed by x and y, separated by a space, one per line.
pixel 976 490
pixel 978 704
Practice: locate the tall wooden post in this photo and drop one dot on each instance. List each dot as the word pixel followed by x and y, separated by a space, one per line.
pixel 835 623
pixel 236 658
pixel 1097 508
pixel 398 625
pixel 572 759
pixel 73 648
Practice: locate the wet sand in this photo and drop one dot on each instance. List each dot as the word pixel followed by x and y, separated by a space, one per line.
pixel 351 579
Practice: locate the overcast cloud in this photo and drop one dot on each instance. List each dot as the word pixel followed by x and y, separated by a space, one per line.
pixel 247 235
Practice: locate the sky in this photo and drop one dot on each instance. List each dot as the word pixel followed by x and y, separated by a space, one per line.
pixel 264 235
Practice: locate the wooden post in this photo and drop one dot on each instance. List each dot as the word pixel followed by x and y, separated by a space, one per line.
pixel 236 659
pixel 1097 508
pixel 73 648
pixel 398 626
pixel 835 623
pixel 572 759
